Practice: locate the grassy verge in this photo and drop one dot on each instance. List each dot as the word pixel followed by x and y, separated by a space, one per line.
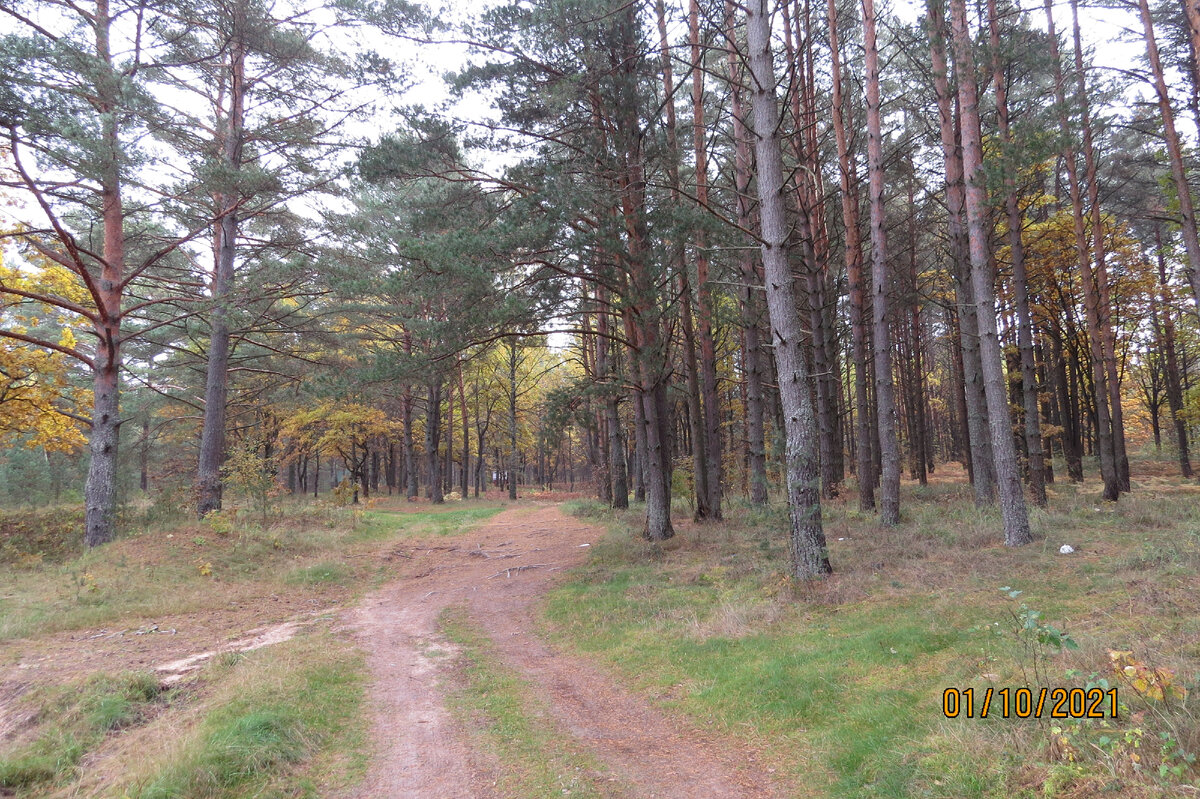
pixel 228 559
pixel 285 720
pixel 77 719
pixel 452 520
pixel 281 722
pixel 842 680
pixel 497 707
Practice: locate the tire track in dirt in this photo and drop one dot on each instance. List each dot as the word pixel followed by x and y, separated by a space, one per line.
pixel 500 571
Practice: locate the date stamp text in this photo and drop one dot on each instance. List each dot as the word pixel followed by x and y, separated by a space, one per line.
pixel 1030 703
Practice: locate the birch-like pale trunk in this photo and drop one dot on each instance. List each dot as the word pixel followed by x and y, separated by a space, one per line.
pixel 809 555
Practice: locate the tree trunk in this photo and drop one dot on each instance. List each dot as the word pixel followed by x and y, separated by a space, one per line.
pixel 512 419
pixel 411 489
pixel 700 468
pixel 100 490
pixel 1187 213
pixel 917 404
pixel 748 299
pixel 606 371
pixel 144 460
pixel 1008 477
pixel 433 432
pixel 889 447
pixel 639 448
pixel 981 463
pixel 1016 224
pixel 230 138
pixel 708 351
pixel 1103 304
pixel 1108 469
pixel 809 555
pixel 854 273
pixel 464 477
pixel 1167 347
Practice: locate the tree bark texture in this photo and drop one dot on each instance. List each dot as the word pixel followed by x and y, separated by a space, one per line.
pixel 889 447
pixel 1008 476
pixel 809 555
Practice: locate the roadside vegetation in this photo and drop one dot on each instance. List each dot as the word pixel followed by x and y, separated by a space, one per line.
pixel 842 679
pixel 283 720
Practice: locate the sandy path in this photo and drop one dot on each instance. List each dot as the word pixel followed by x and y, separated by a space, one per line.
pixel 500 571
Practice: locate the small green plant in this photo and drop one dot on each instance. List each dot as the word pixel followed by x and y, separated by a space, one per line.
pixel 1038 640
pixel 220 522
pixel 79 719
pixel 84 584
pixel 248 472
pixel 1174 760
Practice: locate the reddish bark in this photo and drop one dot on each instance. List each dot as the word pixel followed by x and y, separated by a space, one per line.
pixel 1012 498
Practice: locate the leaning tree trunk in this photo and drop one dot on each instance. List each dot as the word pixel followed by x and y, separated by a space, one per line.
pixel 1187 212
pixel 889 447
pixel 809 555
pixel 1008 476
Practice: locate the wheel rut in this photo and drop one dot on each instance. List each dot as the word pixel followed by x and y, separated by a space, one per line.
pixel 500 571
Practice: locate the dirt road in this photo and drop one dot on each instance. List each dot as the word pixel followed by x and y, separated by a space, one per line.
pixel 499 572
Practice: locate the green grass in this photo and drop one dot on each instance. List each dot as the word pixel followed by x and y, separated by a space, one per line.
pixel 533 759
pixel 283 723
pixel 450 519
pixel 321 573
pixel 841 681
pixel 78 719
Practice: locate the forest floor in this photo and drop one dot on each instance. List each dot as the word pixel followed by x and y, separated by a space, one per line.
pixel 539 649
